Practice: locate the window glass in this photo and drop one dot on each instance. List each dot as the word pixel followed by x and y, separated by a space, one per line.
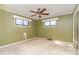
pixel 18 22
pixel 53 22
pixel 50 23
pixel 25 23
pixel 46 23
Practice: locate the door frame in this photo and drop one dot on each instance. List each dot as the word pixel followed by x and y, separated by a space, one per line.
pixel 75 12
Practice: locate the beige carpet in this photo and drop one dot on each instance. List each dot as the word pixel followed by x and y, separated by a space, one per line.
pixel 39 46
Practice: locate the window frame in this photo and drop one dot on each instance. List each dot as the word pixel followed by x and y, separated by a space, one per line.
pixel 21 25
pixel 24 24
pixel 53 24
pixel 49 23
pixel 16 22
pixel 44 23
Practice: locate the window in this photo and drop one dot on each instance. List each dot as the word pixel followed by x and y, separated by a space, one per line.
pixel 53 22
pixel 50 23
pixel 25 23
pixel 21 21
pixel 18 21
pixel 46 23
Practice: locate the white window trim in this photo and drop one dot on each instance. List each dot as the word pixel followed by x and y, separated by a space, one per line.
pixel 15 16
pixel 50 19
pixel 54 19
pixel 49 26
pixel 20 25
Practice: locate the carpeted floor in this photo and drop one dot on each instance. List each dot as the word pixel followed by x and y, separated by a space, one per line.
pixel 39 46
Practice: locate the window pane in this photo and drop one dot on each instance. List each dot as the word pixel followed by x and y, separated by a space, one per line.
pixel 47 23
pixel 18 22
pixel 53 22
pixel 26 23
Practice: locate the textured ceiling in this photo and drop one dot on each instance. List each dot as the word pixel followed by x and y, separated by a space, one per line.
pixel 53 9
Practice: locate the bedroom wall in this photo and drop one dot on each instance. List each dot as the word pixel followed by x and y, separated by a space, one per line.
pixel 62 31
pixel 9 33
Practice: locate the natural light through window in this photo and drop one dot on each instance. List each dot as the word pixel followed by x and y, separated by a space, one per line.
pixel 26 23
pixel 18 22
pixel 50 22
pixel 46 23
pixel 21 21
pixel 53 22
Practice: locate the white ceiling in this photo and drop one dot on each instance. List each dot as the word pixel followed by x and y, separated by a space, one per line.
pixel 53 9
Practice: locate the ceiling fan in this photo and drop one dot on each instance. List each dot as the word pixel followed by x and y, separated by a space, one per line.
pixel 39 12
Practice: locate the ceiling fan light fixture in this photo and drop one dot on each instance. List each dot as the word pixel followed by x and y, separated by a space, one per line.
pixel 39 12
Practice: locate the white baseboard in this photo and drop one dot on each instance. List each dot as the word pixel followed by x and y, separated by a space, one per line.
pixel 12 43
pixel 29 40
pixel 16 43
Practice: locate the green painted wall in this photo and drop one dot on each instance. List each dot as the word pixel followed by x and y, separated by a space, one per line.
pixel 9 33
pixel 62 31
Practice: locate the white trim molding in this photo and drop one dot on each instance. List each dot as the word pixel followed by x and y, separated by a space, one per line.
pixel 16 42
pixel 76 10
pixel 13 43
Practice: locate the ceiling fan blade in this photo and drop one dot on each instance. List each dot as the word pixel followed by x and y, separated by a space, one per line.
pixel 33 15
pixel 45 13
pixel 33 11
pixel 42 10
